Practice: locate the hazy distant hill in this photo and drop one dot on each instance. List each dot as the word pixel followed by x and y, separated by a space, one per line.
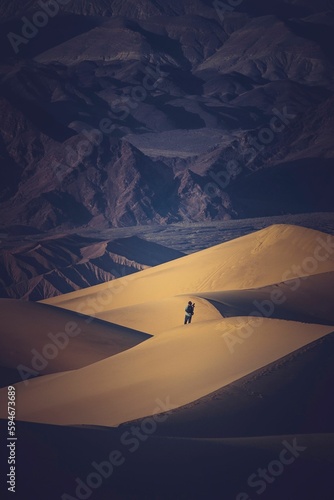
pixel 205 114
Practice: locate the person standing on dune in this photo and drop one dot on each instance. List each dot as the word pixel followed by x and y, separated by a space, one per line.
pixel 189 312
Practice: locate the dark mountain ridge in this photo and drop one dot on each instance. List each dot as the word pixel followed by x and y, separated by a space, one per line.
pixel 57 265
pixel 122 113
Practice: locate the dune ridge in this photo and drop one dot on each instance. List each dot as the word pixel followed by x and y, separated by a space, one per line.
pixel 266 257
pixel 48 339
pixel 182 363
pixel 179 366
pixel 223 393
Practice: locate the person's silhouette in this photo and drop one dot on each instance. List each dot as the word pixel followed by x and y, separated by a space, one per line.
pixel 189 312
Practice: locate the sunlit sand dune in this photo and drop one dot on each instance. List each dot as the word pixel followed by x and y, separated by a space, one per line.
pixel 308 299
pixel 255 361
pixel 178 367
pixel 182 363
pixel 293 394
pixel 155 317
pixel 269 256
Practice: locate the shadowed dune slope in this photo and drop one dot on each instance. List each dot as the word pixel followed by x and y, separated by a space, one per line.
pixel 187 468
pixel 31 331
pixel 308 299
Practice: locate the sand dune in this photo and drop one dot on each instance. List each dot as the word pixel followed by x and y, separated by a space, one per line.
pixel 291 395
pixel 183 363
pixel 272 255
pixel 178 366
pixel 227 365
pixel 75 340
pixel 307 299
pixel 155 317
pixel 188 469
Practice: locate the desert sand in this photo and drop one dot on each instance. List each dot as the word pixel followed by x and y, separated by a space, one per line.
pixel 29 326
pixel 177 367
pixel 263 302
pixel 270 256
pixel 184 362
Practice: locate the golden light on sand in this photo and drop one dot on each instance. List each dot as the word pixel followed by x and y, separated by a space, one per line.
pixel 275 272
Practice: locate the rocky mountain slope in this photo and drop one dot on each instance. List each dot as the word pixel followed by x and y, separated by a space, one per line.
pixel 57 265
pixel 121 113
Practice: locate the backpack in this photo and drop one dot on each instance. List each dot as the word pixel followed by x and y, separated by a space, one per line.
pixel 189 309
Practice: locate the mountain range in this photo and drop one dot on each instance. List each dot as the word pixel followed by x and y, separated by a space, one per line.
pixel 123 113
pixel 64 263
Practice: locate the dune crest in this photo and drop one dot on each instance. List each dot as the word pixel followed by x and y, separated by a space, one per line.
pixel 273 255
pixel 182 363
pixel 179 366
pixel 47 339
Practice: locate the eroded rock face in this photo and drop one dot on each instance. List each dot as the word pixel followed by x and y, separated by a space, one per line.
pixel 126 113
pixel 57 265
